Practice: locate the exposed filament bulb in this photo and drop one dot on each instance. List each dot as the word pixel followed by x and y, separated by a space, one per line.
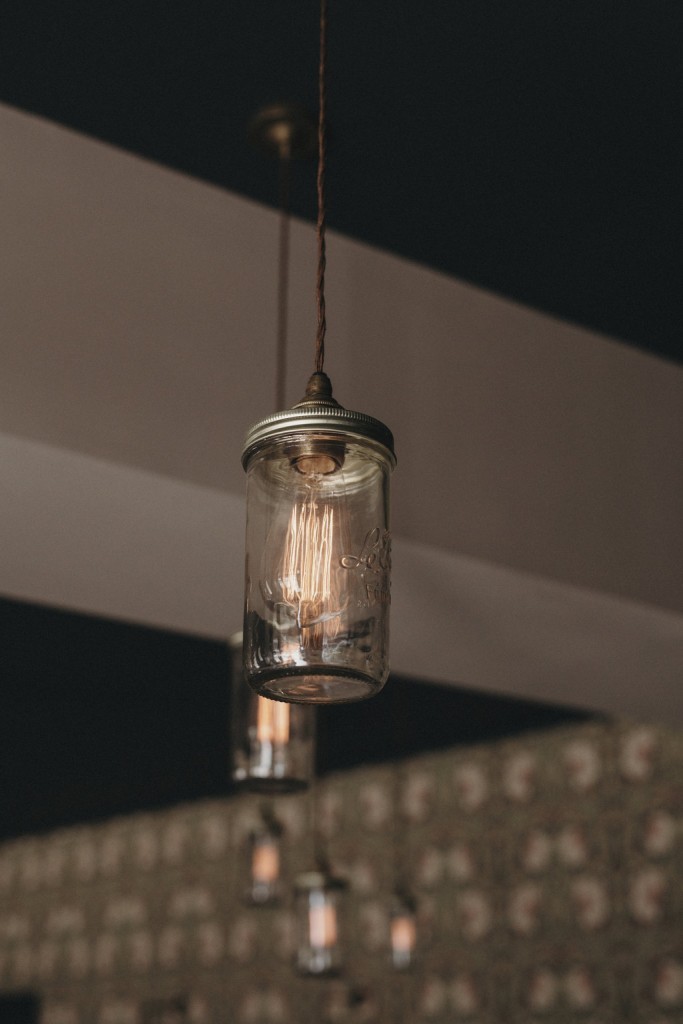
pixel 272 721
pixel 322 922
pixel 308 581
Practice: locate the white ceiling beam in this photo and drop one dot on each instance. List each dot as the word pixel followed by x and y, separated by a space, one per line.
pixel 83 534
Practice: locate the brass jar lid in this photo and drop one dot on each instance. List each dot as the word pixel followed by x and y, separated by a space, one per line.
pixel 319 414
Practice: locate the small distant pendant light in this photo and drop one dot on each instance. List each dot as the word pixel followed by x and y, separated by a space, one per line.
pixel 316 620
pixel 403 931
pixel 273 744
pixel 402 910
pixel 265 860
pixel 317 912
pixel 317 907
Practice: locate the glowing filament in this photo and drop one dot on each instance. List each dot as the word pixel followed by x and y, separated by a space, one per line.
pixel 272 721
pixel 308 584
pixel 402 936
pixel 265 863
pixel 322 924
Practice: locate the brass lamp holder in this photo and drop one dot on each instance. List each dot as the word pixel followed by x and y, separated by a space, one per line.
pixel 318 420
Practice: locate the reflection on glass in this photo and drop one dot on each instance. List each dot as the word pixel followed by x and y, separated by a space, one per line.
pixel 403 933
pixel 265 860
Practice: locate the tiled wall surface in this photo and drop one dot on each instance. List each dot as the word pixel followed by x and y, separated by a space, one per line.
pixel 548 872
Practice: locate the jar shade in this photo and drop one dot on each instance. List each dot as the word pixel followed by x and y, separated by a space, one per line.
pixel 265 863
pixel 402 933
pixel 318 561
pixel 273 744
pixel 318 923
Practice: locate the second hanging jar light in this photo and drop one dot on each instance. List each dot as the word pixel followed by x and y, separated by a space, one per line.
pixel 272 744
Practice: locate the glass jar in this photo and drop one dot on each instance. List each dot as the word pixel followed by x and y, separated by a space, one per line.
pixel 264 850
pixel 318 555
pixel 273 744
pixel 317 908
pixel 402 932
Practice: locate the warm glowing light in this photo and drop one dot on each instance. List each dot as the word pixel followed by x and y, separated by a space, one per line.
pixel 322 923
pixel 403 936
pixel 272 721
pixel 308 581
pixel 265 863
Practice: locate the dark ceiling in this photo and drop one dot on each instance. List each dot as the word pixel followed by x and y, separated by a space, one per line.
pixel 533 148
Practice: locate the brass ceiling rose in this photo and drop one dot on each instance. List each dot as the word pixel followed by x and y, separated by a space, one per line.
pixel 284 130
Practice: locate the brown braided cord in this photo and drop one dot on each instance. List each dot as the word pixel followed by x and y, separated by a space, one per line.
pixel 285 167
pixel 320 226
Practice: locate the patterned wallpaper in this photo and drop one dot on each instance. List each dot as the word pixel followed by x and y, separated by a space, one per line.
pixel 547 870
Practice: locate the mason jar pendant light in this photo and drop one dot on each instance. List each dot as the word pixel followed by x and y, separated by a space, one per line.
pixel 316 619
pixel 402 909
pixel 402 931
pixel 317 896
pixel 317 907
pixel 273 744
pixel 265 860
